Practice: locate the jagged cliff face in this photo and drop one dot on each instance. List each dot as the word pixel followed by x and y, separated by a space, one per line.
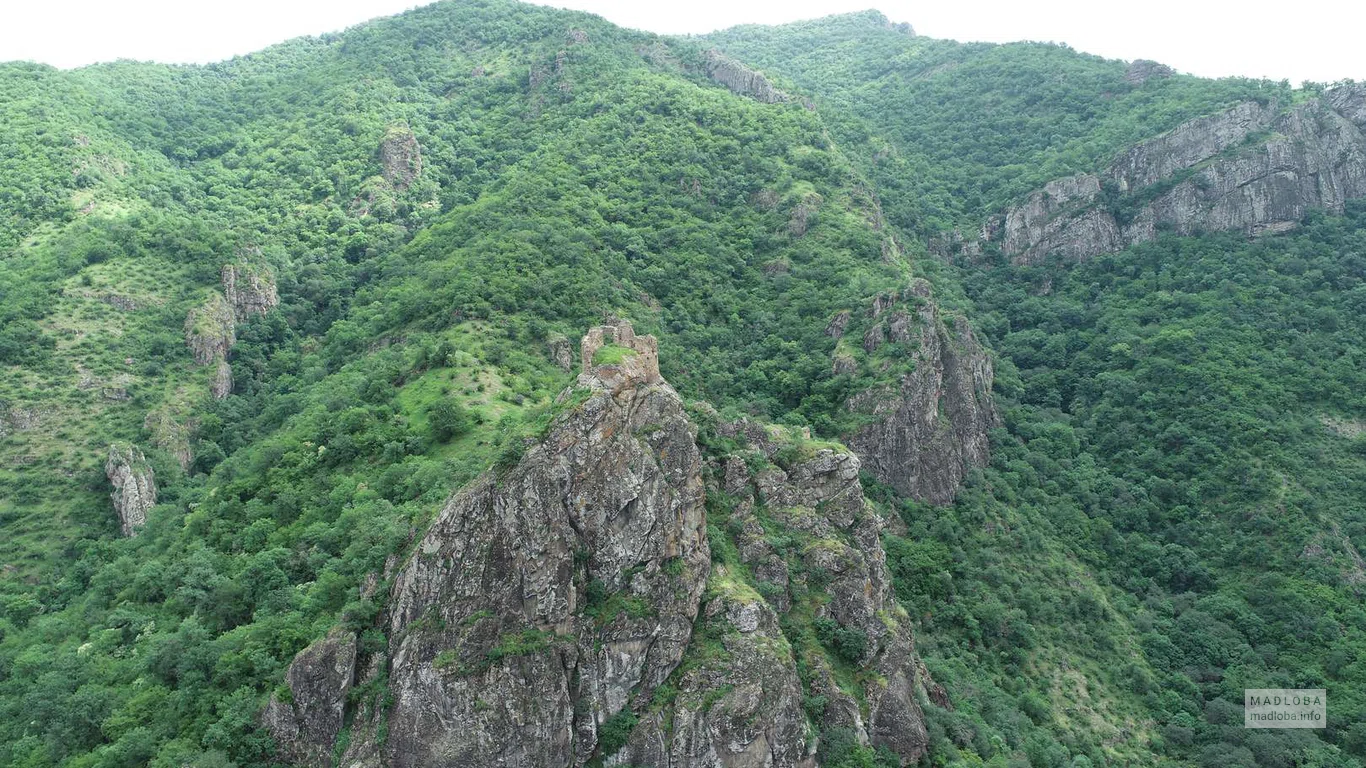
pixel 1251 169
pixel 927 431
pixel 539 619
pixel 211 328
pixel 817 503
pixel 546 599
pixel 135 489
pixel 742 80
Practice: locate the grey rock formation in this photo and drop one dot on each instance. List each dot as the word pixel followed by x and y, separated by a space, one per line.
pixel 928 431
pixel 1141 71
pixel 170 431
pixel 135 489
pixel 560 594
pixel 250 289
pixel 547 598
pixel 305 723
pixel 211 330
pixel 757 721
pixel 400 157
pixel 818 502
pixel 1213 173
pixel 741 79
pixel 561 352
pixel 220 386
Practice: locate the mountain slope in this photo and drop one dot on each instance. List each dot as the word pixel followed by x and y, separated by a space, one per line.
pixel 307 315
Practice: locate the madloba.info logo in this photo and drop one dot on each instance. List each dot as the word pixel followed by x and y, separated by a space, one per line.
pixel 1285 708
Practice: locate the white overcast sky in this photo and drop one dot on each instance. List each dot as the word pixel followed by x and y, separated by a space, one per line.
pixel 1305 40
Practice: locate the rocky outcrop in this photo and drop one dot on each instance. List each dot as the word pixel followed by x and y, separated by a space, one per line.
pixel 742 80
pixel 135 489
pixel 400 157
pixel 19 418
pixel 565 610
pixel 561 352
pixel 810 539
pixel 1251 169
pixel 250 289
pixel 1141 71
pixel 547 598
pixel 211 330
pixel 929 429
pixel 307 720
pixel 170 431
pixel 739 706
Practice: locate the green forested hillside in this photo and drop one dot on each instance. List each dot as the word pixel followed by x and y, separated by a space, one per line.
pixel 950 131
pixel 1174 501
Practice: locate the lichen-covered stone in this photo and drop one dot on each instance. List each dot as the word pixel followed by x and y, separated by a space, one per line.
pixel 742 80
pixel 135 489
pixel 250 289
pixel 1222 177
pixel 931 428
pixel 307 721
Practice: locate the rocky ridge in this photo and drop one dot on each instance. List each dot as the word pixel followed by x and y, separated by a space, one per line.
pixel 211 328
pixel 1252 168
pixel 742 80
pixel 927 430
pixel 135 489
pixel 569 608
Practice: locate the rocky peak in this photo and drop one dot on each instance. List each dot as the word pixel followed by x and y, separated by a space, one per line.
pixel 1141 71
pixel 400 157
pixel 614 357
pixel 1252 168
pixel 548 597
pixel 931 428
pixel 742 80
pixel 250 289
pixel 135 489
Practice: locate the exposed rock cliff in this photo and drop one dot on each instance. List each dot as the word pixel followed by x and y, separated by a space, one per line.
pixel 211 330
pixel 741 79
pixel 544 600
pixel 928 430
pixel 170 430
pixel 539 619
pixel 307 721
pixel 400 157
pixel 135 489
pixel 250 289
pixel 561 352
pixel 1251 168
pixel 737 707
pixel 804 530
